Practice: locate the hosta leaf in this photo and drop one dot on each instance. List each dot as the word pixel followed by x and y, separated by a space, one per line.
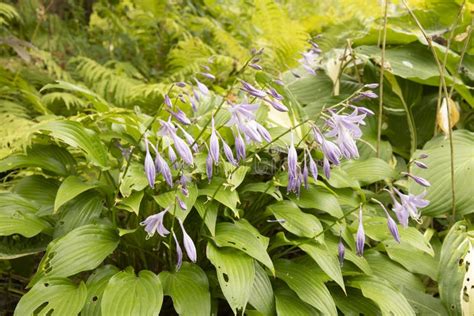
pixel 12 247
pixel 71 187
pixel 215 190
pixel 128 294
pixel 96 284
pixel 132 203
pixel 439 174
pixel 368 171
pixel 321 199
pixel 390 301
pixel 237 236
pixel 134 179
pixel 350 255
pixel 56 296
pixel 327 261
pixel 17 216
pixel 267 188
pixel 47 157
pixel 424 304
pixel 38 190
pixel 189 289
pixel 235 272
pixel 76 135
pixel 168 199
pixel 289 304
pixel 82 249
pixel 236 178
pixel 414 260
pixel 261 297
pixel 208 212
pixel 353 303
pixel 451 269
pixel 308 285
pixel 294 220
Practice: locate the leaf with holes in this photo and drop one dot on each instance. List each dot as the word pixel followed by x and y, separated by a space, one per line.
pixel 96 284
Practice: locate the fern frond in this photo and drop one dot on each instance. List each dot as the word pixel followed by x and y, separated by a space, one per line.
pixel 67 99
pixel 8 14
pixel 188 54
pixel 16 133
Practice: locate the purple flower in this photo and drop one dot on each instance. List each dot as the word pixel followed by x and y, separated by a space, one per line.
pixel 228 153
pixel 179 253
pixel 181 204
pixel 189 139
pixel 208 75
pixel 255 66
pixel 154 223
pixel 188 244
pixel 168 101
pixel 181 117
pixel 305 174
pixel 326 168
pixel 392 227
pixel 277 105
pixel 183 149
pixel 420 164
pixel 410 203
pixel 372 85
pixel 346 129
pixel 167 128
pixel 202 87
pixel 247 87
pixel 214 144
pixel 369 94
pixel 209 164
pixel 263 132
pixel 341 250
pixel 331 151
pixel 313 168
pixel 239 146
pixel 149 167
pixel 292 159
pixel 251 132
pixel 163 168
pixel 360 238
pixel 183 181
pixel 181 84
pixel 362 110
pixel 279 82
pixel 241 113
pixel 275 94
pixel 419 180
pixel 172 155
pixel 423 156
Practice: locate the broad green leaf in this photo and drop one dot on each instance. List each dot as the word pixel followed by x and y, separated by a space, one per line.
pixel 267 188
pixel 12 247
pixel 308 285
pixel 467 289
pixel 319 198
pixel 17 216
pixel 414 260
pixel 132 203
pixel 168 199
pixel 390 301
pixel 340 179
pixel 439 174
pixel 47 157
pixel 38 190
pixel 217 191
pixel 289 304
pixel 128 294
pixel 451 268
pixel 235 272
pixel 85 209
pixel 353 303
pixel 327 261
pixel 236 178
pixel 96 284
pixel 368 171
pixel 424 304
pixel 294 220
pixel 134 179
pixel 261 297
pixel 82 249
pixel 189 289
pixel 384 268
pixel 350 255
pixel 71 187
pixel 208 211
pixel 55 296
pixel 76 135
pixel 236 235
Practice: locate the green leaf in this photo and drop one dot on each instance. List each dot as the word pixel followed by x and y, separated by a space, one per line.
pixel 71 187
pixel 424 304
pixel 189 289
pixel 96 284
pixel 327 261
pixel 439 174
pixel 55 296
pixel 319 198
pixel 236 178
pixel 134 179
pixel 451 269
pixel 414 260
pixel 38 190
pixel 368 171
pixel 261 297
pixel 75 135
pixel 308 285
pixel 13 247
pixel 128 294
pixel 267 188
pixel 17 216
pixel 215 190
pixel 353 303
pixel 238 236
pixel 132 203
pixel 47 157
pixel 390 301
pixel 168 199
pixel 235 272
pixel 208 212
pixel 289 304
pixel 82 249
pixel 350 255
pixel 294 220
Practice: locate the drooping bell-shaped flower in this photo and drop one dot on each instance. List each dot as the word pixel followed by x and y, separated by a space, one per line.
pixel 420 164
pixel 183 149
pixel 149 166
pixel 172 155
pixel 360 237
pixel 168 101
pixel 305 174
pixel 275 94
pixel 208 75
pixel 183 181
pixel 214 144
pixel 292 158
pixel 181 204
pixel 239 146
pixel 251 90
pixel 313 168
pixel 181 117
pixel 255 66
pixel 410 204
pixel 202 87
pixel 421 181
pixel 209 166
pixel 326 168
pixel 163 168
pixel 154 223
pixel 392 226
pixel 341 250
pixel 188 244
pixel 277 105
pixel 228 153
pixel 179 253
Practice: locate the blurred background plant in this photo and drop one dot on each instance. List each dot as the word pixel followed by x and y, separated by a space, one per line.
pixel 72 69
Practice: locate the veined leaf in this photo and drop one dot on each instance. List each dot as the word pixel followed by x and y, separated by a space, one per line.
pixel 71 187
pixel 132 203
pixel 208 212
pixel 261 297
pixel 189 289
pixel 82 249
pixel 96 284
pixel 55 296
pixel 215 190
pixel 134 179
pixel 368 171
pixel 321 199
pixel 168 199
pixel 289 304
pixel 235 272
pixel 12 247
pixel 128 294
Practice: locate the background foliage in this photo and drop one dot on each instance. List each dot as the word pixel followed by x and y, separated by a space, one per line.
pixel 82 81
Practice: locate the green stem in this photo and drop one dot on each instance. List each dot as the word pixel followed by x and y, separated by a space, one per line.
pixel 382 69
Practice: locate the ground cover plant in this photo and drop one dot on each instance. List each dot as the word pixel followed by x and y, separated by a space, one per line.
pixel 236 157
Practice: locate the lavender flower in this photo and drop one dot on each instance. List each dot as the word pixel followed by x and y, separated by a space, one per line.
pixel 202 87
pixel 149 167
pixel 208 75
pixel 209 163
pixel 168 101
pixel 188 244
pixel 189 139
pixel 369 94
pixel 163 168
pixel 362 110
pixel 228 153
pixel 263 132
pixel 305 174
pixel 420 164
pixel 275 94
pixel 181 84
pixel 313 168
pixel 360 238
pixel 392 226
pixel 181 204
pixel 255 66
pixel 239 146
pixel 372 85
pixel 346 129
pixel 423 156
pixel 277 105
pixel 154 223
pixel 279 82
pixel 214 144
pixel 341 250
pixel 247 87
pixel 183 181
pixel 179 253
pixel 181 117
pixel 331 152
pixel 410 203
pixel 294 179
pixel 419 180
pixel 308 61
pixel 183 149
pixel 172 155
pixel 326 168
